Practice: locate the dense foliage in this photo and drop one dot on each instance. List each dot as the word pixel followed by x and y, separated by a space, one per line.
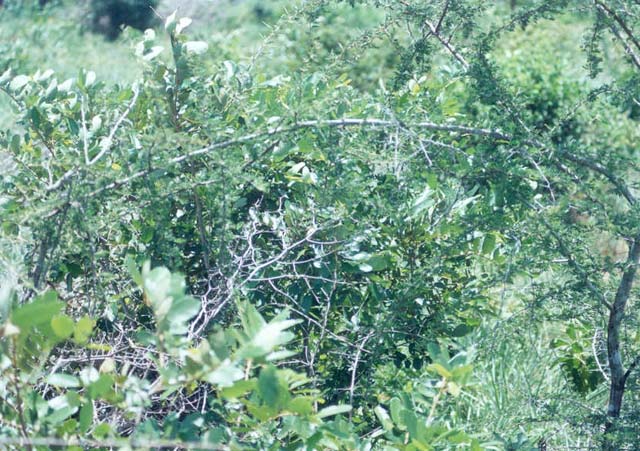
pixel 385 225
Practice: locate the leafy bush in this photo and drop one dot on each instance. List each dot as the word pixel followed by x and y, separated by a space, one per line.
pixel 373 257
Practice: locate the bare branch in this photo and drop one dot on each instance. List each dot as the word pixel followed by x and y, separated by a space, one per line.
pixel 435 32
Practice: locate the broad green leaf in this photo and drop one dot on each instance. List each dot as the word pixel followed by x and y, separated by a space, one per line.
pixel 252 321
pixel 83 330
pixel 411 422
pixel 182 310
pixel 19 82
pixel 461 371
pixel 90 78
pixel 100 387
pixel 65 85
pixel 225 375
pixel 63 380
pixel 183 23
pixel 60 414
pixel 86 415
pixel 273 390
pixel 102 430
pixel 169 23
pixel 488 243
pixel 5 76
pixel 62 325
pixel 383 418
pixel 273 334
pixel 238 389
pixel 441 370
pixel 334 410
pixel 301 405
pixel 38 312
pixel 108 365
pixel 157 286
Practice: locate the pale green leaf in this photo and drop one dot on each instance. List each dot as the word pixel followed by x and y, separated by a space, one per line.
pixel 334 410
pixel 63 380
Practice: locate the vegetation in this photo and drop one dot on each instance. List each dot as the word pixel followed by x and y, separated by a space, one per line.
pixel 376 225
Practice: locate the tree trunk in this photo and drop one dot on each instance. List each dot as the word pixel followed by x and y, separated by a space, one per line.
pixel 616 368
pixel 618 380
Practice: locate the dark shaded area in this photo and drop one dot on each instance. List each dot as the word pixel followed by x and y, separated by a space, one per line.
pixel 109 16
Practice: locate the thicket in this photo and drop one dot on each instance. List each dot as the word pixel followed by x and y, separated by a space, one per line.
pixel 393 225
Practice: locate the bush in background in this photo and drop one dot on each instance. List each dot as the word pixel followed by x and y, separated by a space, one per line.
pixel 108 16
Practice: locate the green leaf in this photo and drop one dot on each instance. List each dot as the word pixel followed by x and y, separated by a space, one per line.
pixel 238 389
pixel 334 410
pixel 152 52
pixel 252 321
pixel 396 411
pixel 38 312
pixel 301 405
pixel 454 389
pixel 272 389
pixel 86 416
pixel 60 414
pixel 62 326
pixel 100 387
pixel 157 286
pixel 461 371
pixel 132 267
pixel 488 243
pixel 169 23
pixel 411 422
pixel 18 82
pixel 383 418
pixel 83 330
pixel 441 370
pixel 102 430
pixel 63 380
pixel 182 310
pixel 225 375
pixel 273 334
pixel 183 23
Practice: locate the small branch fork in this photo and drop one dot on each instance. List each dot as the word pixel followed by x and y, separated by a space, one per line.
pixel 354 367
pixel 631 40
pixel 109 139
pixel 85 143
pixel 435 31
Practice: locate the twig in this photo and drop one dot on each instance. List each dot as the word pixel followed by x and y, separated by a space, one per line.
pixel 596 336
pixel 354 368
pixel 573 263
pixel 445 9
pixel 447 45
pixel 114 129
pixel 603 7
pixel 85 133
pixel 19 402
pixel 632 366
